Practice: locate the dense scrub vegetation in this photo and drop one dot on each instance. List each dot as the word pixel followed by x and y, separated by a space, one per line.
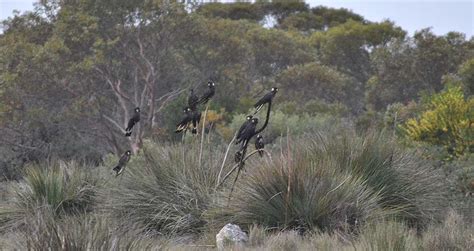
pixel 370 142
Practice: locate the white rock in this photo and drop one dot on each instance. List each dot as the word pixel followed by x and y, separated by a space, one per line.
pixel 230 235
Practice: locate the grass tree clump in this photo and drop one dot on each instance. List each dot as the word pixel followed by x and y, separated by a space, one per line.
pixel 63 188
pixel 288 194
pixel 406 183
pixel 165 190
pixel 334 180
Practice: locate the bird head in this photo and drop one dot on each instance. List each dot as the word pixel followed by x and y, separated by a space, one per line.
pixel 128 152
pixel 259 136
pixel 254 120
pixel 274 89
pixel 211 84
pixel 137 109
pixel 249 117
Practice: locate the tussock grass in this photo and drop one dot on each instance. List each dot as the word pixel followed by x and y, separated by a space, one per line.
pixel 335 180
pixel 406 183
pixel 166 191
pixel 298 197
pixel 63 188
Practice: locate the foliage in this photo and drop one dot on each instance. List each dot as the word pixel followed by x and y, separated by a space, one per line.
pixel 466 72
pixel 316 82
pixel 405 68
pixel 346 46
pixel 71 71
pixel 446 121
pixel 283 123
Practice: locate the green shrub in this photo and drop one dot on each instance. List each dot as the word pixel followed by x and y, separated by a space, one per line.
pixel 281 123
pixel 447 121
pixel 165 190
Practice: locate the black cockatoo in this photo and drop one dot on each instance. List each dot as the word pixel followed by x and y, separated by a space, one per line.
pixel 265 99
pixel 122 163
pixel 135 119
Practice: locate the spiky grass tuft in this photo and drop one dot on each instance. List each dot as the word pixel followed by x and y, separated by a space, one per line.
pixel 165 190
pixel 335 180
pixel 63 188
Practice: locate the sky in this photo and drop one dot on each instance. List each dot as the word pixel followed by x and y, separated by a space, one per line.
pixel 412 15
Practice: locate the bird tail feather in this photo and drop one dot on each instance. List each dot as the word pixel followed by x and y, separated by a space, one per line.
pixel 180 128
pixel 257 109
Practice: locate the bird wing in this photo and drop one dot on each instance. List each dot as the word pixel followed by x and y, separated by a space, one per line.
pixel 206 96
pixel 192 100
pixel 123 160
pixel 197 117
pixel 136 117
pixel 263 100
pixel 184 123
pixel 248 131
pixel 242 128
pixel 130 124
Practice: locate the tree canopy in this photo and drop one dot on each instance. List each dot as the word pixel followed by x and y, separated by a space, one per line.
pixel 71 72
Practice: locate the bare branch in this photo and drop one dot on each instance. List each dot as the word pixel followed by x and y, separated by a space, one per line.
pixel 113 122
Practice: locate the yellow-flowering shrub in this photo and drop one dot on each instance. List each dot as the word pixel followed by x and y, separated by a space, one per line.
pixel 447 120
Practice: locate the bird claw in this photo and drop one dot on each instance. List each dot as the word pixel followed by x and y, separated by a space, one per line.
pixel 238 157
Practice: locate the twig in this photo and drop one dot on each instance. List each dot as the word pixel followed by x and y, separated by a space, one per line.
pixel 290 170
pixel 235 166
pixel 225 158
pixel 339 185
pixel 202 133
pixel 113 122
pixel 241 165
pixel 275 195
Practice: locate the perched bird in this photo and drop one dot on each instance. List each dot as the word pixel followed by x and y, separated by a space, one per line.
pixel 208 94
pixel 193 100
pixel 184 123
pixel 259 145
pixel 265 99
pixel 242 127
pixel 196 119
pixel 122 163
pixel 248 132
pixel 135 119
